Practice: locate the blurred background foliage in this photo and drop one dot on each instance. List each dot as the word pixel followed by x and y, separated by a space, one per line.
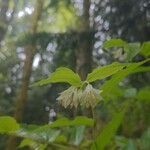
pixel 63 27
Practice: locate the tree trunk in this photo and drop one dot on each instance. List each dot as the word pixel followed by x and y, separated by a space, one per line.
pixel 84 51
pixel 3 18
pixel 27 69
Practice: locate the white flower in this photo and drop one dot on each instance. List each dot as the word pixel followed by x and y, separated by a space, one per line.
pixel 70 97
pixel 73 97
pixel 90 96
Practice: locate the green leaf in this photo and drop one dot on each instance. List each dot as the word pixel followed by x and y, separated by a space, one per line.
pixel 65 122
pixel 79 134
pixel 132 49
pixel 26 142
pixel 144 140
pixel 114 43
pixel 109 85
pixel 61 74
pixel 61 139
pixel 130 145
pixel 108 132
pixel 39 133
pixel 144 94
pixel 78 121
pixel 32 144
pixel 115 92
pixel 145 50
pixel 142 69
pixel 105 71
pixel 8 125
pixel 45 133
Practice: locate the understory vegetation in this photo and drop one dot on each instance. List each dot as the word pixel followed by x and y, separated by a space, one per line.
pixel 74 75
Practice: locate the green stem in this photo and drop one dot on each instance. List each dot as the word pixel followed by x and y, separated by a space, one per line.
pixel 93 129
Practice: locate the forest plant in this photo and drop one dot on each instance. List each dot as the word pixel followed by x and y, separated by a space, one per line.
pixel 79 94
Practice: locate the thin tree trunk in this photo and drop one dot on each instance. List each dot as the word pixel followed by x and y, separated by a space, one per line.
pixel 84 51
pixel 23 93
pixel 84 54
pixel 27 69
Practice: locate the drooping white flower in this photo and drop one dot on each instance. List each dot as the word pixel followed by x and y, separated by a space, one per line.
pixel 70 97
pixel 73 97
pixel 90 96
